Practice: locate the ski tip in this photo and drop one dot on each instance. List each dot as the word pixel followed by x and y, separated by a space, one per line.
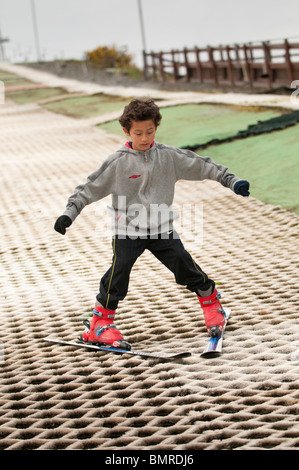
pixel 227 312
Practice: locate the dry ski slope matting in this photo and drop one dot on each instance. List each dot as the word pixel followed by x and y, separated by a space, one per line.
pixel 60 397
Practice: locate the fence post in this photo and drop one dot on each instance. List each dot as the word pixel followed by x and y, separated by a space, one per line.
pixel 248 77
pixel 229 66
pixel 161 66
pixel 267 57
pixel 175 68
pixel 250 51
pixel 198 65
pixel 288 60
pixel 213 65
pixel 154 67
pixel 187 65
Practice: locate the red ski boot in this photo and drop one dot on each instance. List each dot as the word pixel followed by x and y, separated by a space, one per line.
pixel 214 314
pixel 102 330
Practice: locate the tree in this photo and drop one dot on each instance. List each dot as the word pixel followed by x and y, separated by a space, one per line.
pixel 110 57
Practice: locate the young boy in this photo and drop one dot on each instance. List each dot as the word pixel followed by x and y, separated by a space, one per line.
pixel 141 177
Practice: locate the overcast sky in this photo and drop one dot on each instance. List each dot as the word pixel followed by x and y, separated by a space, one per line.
pixel 68 28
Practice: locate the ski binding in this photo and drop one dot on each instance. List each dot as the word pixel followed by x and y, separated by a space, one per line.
pixel 214 346
pixel 120 351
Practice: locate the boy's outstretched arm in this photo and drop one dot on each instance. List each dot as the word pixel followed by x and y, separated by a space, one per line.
pixel 98 185
pixel 190 166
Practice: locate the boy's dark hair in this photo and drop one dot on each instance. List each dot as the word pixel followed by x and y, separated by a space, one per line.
pixel 140 110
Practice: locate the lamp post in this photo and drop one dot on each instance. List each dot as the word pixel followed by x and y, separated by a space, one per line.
pixel 141 25
pixel 143 37
pixel 35 30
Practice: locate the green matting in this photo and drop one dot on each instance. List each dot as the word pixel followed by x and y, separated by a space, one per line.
pixel 26 95
pixel 193 124
pixel 88 106
pixel 34 95
pixel 12 80
pixel 268 161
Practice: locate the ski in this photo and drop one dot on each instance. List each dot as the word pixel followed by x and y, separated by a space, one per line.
pixel 214 346
pixel 120 351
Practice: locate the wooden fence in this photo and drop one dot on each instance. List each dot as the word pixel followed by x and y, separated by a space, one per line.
pixel 267 64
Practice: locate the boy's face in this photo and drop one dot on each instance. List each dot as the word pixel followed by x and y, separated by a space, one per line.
pixel 142 134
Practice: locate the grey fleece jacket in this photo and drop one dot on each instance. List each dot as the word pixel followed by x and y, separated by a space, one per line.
pixel 142 186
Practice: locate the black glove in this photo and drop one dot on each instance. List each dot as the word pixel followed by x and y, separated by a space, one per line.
pixel 62 223
pixel 242 188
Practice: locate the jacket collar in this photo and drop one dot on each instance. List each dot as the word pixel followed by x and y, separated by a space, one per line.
pixel 130 146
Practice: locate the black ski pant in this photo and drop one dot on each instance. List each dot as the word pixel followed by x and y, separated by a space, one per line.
pixel 168 248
